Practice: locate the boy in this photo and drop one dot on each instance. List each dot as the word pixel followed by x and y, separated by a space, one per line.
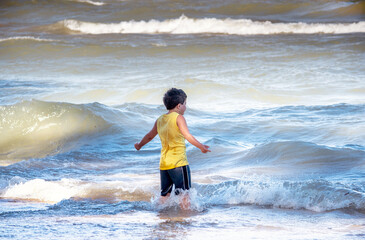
pixel 173 130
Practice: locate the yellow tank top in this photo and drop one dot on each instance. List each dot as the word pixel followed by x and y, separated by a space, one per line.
pixel 173 151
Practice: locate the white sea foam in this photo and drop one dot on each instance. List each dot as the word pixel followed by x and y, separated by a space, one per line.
pixel 185 25
pixel 27 38
pixel 44 191
pixel 55 191
pixel 315 195
pixel 89 2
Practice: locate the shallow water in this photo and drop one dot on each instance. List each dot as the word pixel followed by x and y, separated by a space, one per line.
pixel 275 88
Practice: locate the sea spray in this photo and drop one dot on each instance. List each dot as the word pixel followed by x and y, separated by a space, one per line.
pixel 314 194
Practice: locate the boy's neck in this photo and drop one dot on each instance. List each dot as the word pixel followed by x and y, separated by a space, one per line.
pixel 172 110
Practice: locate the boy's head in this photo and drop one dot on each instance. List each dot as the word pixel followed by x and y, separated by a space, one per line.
pixel 173 97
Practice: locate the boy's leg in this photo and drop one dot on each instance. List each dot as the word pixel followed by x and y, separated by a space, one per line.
pixel 166 183
pixel 185 202
pixel 182 179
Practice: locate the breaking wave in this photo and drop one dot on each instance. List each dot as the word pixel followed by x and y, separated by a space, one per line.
pixel 95 3
pixel 186 25
pixel 37 129
pixel 315 195
pixel 56 191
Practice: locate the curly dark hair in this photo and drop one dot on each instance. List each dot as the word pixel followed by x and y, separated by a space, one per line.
pixel 173 97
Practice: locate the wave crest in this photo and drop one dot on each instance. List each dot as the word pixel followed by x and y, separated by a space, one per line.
pixel 89 2
pixel 315 195
pixel 304 156
pixel 36 129
pixel 185 25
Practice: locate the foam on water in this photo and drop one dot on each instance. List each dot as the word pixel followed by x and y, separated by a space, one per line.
pixel 57 191
pixel 315 195
pixel 31 38
pixel 186 25
pixel 95 3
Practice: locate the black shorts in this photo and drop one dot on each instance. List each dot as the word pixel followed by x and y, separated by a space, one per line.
pixel 180 177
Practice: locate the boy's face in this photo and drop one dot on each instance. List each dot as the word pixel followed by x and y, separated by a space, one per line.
pixel 182 108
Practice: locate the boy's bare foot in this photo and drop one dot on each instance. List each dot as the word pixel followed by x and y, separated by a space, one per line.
pixel 185 203
pixel 163 199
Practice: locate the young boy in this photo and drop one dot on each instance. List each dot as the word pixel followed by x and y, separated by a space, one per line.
pixel 173 130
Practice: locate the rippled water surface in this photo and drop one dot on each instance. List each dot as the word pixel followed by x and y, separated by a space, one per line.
pixel 275 88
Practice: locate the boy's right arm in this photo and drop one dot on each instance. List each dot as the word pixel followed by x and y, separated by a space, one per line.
pixel 147 138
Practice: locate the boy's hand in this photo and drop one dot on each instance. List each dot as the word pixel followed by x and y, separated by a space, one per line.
pixel 136 145
pixel 205 149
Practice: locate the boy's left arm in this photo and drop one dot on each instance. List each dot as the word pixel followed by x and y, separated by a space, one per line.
pixel 181 123
pixel 147 138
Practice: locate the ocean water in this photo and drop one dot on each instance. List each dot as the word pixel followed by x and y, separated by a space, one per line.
pixel 275 88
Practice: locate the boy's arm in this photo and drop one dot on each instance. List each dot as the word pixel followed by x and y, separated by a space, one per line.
pixel 181 123
pixel 147 138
